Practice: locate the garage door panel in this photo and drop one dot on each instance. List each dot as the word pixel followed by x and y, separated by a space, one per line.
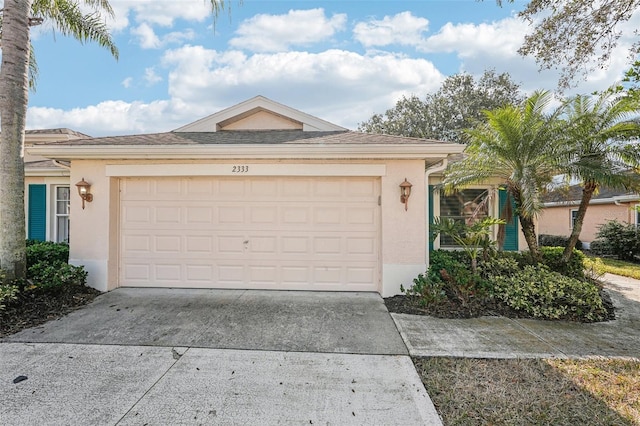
pixel 258 232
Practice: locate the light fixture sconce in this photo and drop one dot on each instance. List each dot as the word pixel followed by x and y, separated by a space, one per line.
pixel 83 190
pixel 405 193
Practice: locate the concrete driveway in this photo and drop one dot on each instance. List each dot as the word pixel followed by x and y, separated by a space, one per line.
pixel 165 356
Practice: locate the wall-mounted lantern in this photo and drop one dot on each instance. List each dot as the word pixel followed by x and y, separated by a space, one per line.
pixel 405 193
pixel 84 189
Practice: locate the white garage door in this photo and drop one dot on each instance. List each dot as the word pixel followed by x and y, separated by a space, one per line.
pixel 319 233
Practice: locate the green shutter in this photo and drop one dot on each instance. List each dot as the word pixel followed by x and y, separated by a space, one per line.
pixel 511 234
pixel 37 213
pixel 430 215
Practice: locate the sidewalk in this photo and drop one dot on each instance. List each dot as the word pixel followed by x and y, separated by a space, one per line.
pixel 499 337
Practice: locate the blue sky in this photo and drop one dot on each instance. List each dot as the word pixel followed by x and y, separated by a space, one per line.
pixel 339 60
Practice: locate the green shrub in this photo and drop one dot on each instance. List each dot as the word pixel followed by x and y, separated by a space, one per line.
pixel 428 291
pixel 546 294
pixel 556 241
pixel 56 274
pixel 449 275
pixel 47 252
pixel 8 292
pixel 552 257
pixel 618 239
pixel 594 268
pixel 601 248
pixel 499 266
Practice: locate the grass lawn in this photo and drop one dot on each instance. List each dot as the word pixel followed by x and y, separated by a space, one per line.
pixel 533 391
pixel 620 267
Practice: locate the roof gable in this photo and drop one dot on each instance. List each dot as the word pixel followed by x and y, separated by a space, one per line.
pixel 259 113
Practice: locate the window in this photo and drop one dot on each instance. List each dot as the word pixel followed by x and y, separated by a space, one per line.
pixel 466 206
pixel 636 213
pixel 61 222
pixel 574 215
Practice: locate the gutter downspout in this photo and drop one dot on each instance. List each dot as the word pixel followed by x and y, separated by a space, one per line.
pixel 427 173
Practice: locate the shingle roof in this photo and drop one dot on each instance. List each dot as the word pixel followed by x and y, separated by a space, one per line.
pixel 43 164
pixel 58 131
pixel 249 138
pixel 574 193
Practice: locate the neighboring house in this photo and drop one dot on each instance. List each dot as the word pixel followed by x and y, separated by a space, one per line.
pixel 561 208
pixel 258 196
pixel 47 192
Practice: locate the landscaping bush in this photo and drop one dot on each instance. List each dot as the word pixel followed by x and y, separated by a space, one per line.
pixel 618 239
pixel 556 241
pixel 499 266
pixel 8 292
pixel 542 293
pixel 448 276
pixel 594 268
pixel 47 252
pixel 55 274
pixel 428 291
pixel 552 257
pixel 601 248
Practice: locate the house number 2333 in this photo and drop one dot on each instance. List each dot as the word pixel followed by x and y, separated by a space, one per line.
pixel 239 169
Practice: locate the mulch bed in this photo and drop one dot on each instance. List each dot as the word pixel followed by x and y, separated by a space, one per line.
pixel 37 306
pixel 474 308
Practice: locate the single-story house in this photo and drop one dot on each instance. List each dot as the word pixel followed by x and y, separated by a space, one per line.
pixel 560 208
pixel 258 195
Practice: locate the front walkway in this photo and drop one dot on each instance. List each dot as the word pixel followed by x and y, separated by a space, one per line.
pixel 499 337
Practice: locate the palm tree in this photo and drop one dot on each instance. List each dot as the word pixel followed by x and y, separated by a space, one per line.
pixel 596 154
pixel 17 16
pixel 515 145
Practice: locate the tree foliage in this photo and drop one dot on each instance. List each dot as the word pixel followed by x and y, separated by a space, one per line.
pixel 576 36
pixel 515 144
pixel 596 149
pixel 443 115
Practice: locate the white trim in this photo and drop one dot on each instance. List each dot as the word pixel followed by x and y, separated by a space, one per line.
pixel 209 152
pixel 246 169
pixel 571 217
pixel 46 172
pixel 437 168
pixel 611 200
pixel 54 210
pixel 210 123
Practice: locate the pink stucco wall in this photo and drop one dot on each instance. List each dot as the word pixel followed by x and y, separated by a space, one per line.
pixel 557 220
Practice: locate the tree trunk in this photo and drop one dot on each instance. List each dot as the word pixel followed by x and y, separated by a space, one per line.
pixel 13 110
pixel 527 224
pixel 587 193
pixel 529 231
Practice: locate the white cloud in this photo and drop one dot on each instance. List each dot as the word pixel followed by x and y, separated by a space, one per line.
pixel 501 38
pixel 108 118
pixel 148 39
pixel 339 86
pixel 273 33
pixel 402 28
pixel 162 13
pixel 146 36
pixel 343 87
pixel 151 77
pixel 495 45
pixel 126 83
